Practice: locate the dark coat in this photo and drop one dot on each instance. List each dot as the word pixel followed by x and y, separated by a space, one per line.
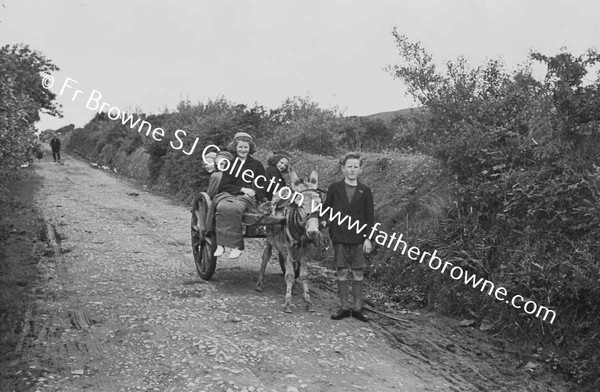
pixel 233 185
pixel 55 144
pixel 273 172
pixel 359 208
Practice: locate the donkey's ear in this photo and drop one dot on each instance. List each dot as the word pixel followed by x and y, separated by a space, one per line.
pixel 314 177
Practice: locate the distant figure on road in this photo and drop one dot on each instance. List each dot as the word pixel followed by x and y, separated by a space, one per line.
pixel 55 145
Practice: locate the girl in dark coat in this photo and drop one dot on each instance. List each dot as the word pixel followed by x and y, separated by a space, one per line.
pixel 244 193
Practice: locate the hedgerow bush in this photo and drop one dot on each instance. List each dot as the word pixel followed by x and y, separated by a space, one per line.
pixel 524 153
pixel 302 125
pixel 22 99
pixel 298 124
pixel 366 134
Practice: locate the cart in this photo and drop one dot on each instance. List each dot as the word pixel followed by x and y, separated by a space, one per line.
pixel 204 242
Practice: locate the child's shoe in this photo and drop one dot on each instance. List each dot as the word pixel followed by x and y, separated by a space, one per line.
pixel 220 250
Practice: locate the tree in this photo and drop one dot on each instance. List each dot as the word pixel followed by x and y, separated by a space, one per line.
pixel 576 104
pixel 24 66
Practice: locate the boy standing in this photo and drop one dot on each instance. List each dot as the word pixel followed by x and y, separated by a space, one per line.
pixel 354 199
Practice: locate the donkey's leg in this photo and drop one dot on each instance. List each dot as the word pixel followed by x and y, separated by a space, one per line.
pixel 266 256
pixel 289 280
pixel 304 279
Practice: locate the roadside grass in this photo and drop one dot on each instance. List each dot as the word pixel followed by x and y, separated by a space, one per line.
pixel 19 253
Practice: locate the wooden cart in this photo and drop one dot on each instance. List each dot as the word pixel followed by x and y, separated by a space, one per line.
pixel 204 243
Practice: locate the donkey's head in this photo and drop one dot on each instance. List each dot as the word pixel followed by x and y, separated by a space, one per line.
pixel 307 198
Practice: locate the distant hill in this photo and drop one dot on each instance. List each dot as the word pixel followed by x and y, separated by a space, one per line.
pixel 387 117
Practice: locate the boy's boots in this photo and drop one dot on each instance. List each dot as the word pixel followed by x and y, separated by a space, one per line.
pixel 358 312
pixel 344 311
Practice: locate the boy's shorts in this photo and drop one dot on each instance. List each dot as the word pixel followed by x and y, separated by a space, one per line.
pixel 348 256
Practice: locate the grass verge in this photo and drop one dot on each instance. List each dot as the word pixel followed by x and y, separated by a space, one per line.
pixel 20 251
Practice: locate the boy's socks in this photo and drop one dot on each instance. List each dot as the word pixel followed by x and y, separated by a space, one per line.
pixel 343 289
pixel 357 310
pixel 357 287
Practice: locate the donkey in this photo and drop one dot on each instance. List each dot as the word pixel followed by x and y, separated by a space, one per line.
pixel 291 239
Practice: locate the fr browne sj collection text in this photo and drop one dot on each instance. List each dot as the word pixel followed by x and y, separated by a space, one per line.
pixel 95 103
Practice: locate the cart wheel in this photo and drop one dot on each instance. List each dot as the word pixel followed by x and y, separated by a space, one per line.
pixel 296 267
pixel 206 262
pixel 203 244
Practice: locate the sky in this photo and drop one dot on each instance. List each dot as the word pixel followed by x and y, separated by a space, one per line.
pixel 153 54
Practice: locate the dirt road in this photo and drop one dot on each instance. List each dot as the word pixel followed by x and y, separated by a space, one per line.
pixel 120 308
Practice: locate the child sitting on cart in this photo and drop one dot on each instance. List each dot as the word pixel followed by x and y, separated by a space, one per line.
pixel 242 196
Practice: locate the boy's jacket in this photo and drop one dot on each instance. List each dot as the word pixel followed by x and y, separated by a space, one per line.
pixel 359 208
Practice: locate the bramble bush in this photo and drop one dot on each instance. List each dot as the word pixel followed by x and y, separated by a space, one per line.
pixel 524 153
pixel 366 134
pixel 300 124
